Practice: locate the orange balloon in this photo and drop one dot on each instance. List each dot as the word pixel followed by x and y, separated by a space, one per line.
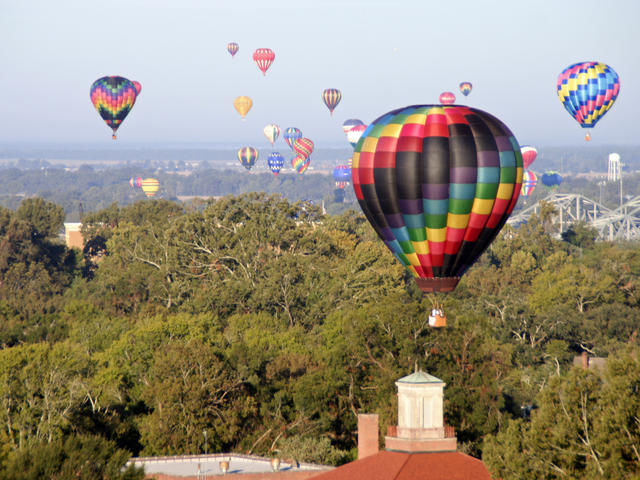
pixel 243 104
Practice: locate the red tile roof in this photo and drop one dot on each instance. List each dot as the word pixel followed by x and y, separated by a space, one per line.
pixel 411 466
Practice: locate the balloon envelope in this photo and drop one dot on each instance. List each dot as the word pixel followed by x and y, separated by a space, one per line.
pixel 303 147
pixel 275 162
pixel 437 184
pixel 243 104
pixel 291 134
pixel 447 98
pixel 529 182
pixel 342 173
pixel 248 157
pixel 529 154
pixel 551 179
pixel 465 88
pixel 232 48
pixel 113 97
pixel 264 57
pixel 150 186
pixel 350 123
pixel 272 132
pixel 355 133
pixel 587 90
pixel 331 98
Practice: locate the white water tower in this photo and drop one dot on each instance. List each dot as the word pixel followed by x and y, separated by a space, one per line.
pixel 613 173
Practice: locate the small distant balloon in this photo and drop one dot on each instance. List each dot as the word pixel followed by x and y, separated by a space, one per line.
pixel 551 179
pixel 447 98
pixel 529 182
pixel 350 123
pixel 291 134
pixel 529 154
pixel 272 132
pixel 465 88
pixel 264 57
pixel 242 105
pixel 232 48
pixel 248 157
pixel 275 162
pixel 353 135
pixel 331 98
pixel 150 186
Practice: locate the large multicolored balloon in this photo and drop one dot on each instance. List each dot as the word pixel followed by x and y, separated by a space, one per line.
pixel 232 48
pixel 272 132
pixel 150 186
pixel 350 123
pixel 529 154
pixel 551 179
pixel 437 184
pixel 355 133
pixel 275 162
pixel 264 57
pixel 465 88
pixel 292 134
pixel 447 98
pixel 248 157
pixel 303 147
pixel 113 97
pixel 588 90
pixel 529 182
pixel 331 98
pixel 243 104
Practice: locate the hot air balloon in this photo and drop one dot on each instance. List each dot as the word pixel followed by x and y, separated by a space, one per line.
pixel 529 154
pixel 232 48
pixel 551 179
pixel 342 175
pixel 350 123
pixel 355 133
pixel 135 182
pixel 138 86
pixel 529 182
pixel 264 58
pixel 248 157
pixel 275 162
pixel 113 97
pixel 242 105
pixel 291 134
pixel 437 184
pixel 303 147
pixel 465 88
pixel 588 90
pixel 447 98
pixel 300 163
pixel 150 186
pixel 331 98
pixel 272 132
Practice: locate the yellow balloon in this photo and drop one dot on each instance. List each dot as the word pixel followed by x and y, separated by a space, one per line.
pixel 150 186
pixel 243 104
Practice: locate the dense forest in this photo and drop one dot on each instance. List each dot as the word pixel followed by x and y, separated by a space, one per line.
pixel 270 326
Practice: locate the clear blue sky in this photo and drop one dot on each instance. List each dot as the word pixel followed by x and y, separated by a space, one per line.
pixel 381 54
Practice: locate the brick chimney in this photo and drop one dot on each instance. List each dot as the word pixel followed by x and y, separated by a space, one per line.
pixel 367 434
pixel 420 417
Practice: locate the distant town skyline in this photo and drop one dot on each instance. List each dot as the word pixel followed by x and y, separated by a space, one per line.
pixel 381 55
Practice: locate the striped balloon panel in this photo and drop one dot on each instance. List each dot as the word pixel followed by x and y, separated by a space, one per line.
pixel 331 98
pixel 291 134
pixel 303 147
pixel 113 97
pixel 588 90
pixel 437 183
pixel 248 157
pixel 150 186
pixel 529 182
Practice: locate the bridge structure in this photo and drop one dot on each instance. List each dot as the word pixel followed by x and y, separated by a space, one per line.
pixel 620 224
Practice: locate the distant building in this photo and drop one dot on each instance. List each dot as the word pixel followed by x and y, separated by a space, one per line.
pixel 231 465
pixel 589 363
pixel 73 236
pixel 420 447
